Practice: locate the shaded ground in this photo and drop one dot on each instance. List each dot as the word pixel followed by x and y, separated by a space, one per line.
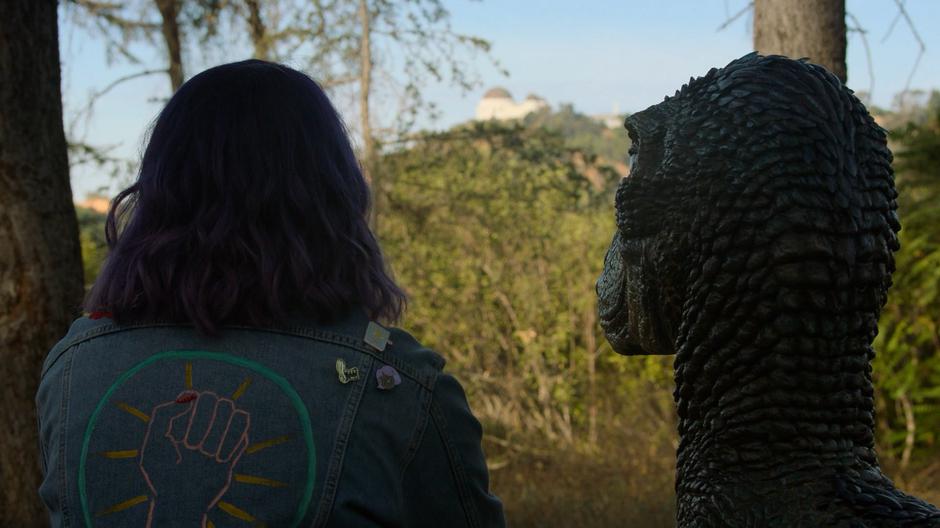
pixel 620 485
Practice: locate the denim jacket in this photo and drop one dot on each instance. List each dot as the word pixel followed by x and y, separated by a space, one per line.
pixel 295 425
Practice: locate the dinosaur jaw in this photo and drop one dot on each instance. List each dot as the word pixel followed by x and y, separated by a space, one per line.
pixel 614 303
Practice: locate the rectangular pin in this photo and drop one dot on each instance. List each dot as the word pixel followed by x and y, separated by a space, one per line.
pixel 376 336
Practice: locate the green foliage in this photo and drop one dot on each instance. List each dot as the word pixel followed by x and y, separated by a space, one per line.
pixel 907 367
pixel 911 108
pixel 582 133
pixel 93 243
pixel 498 239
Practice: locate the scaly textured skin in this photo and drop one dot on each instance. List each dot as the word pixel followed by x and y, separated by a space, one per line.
pixel 755 240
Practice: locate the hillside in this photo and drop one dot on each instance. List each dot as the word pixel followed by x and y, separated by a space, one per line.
pixel 582 133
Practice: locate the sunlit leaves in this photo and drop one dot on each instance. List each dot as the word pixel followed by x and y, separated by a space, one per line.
pixel 907 367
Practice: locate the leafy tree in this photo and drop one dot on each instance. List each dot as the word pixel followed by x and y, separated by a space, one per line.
pixel 907 367
pixel 498 239
pixel 582 133
pixel 161 23
pixel 344 44
pixel 411 42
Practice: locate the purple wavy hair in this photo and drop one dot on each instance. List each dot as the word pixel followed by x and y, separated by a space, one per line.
pixel 249 204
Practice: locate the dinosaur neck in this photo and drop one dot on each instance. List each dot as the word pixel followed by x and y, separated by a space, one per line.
pixel 770 389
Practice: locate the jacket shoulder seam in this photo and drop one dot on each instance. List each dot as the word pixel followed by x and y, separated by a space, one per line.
pixel 426 381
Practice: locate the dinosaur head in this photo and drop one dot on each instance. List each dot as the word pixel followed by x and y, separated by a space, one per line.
pixel 761 190
pixel 639 291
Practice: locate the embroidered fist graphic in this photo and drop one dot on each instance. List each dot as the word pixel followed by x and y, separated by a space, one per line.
pixel 188 455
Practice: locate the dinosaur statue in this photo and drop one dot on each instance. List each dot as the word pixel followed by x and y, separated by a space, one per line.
pixel 755 239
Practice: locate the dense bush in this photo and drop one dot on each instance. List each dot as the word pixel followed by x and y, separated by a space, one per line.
pixel 907 367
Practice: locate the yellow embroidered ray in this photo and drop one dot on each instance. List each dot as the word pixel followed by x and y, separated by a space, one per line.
pixel 241 389
pixel 235 511
pixel 254 448
pixel 189 376
pixel 261 481
pixel 141 415
pixel 128 453
pixel 121 506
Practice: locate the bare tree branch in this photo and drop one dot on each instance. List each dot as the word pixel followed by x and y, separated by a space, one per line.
pixel 89 106
pixel 113 84
pixel 736 16
pixel 910 24
pixel 857 27
pixel 894 22
pixel 337 82
pixel 106 10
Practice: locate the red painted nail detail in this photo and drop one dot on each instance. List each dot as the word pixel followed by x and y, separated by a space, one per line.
pixel 186 398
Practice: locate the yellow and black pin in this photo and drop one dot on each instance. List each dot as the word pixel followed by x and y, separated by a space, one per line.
pixel 346 375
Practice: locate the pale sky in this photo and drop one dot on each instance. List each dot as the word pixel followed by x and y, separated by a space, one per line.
pixel 596 54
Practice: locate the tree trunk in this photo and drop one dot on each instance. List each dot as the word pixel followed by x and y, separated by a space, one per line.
pixel 365 88
pixel 802 28
pixel 257 30
pixel 40 261
pixel 169 15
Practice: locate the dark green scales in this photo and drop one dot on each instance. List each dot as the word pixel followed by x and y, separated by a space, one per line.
pixel 755 241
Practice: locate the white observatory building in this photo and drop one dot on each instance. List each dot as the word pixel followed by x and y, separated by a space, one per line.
pixel 498 104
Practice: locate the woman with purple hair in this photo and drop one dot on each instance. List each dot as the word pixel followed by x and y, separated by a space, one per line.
pixel 233 370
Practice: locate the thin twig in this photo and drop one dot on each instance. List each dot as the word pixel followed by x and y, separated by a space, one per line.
pixel 84 115
pixel 106 10
pixel 337 81
pixel 911 430
pixel 736 16
pixel 113 84
pixel 920 41
pixel 891 27
pixel 862 32
pixel 518 447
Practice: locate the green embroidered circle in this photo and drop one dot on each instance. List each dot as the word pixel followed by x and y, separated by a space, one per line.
pixel 276 378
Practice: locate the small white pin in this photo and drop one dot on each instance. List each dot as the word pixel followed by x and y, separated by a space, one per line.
pixel 376 336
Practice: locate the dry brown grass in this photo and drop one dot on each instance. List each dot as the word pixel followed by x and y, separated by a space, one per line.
pixel 578 490
pixel 923 480
pixel 624 483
